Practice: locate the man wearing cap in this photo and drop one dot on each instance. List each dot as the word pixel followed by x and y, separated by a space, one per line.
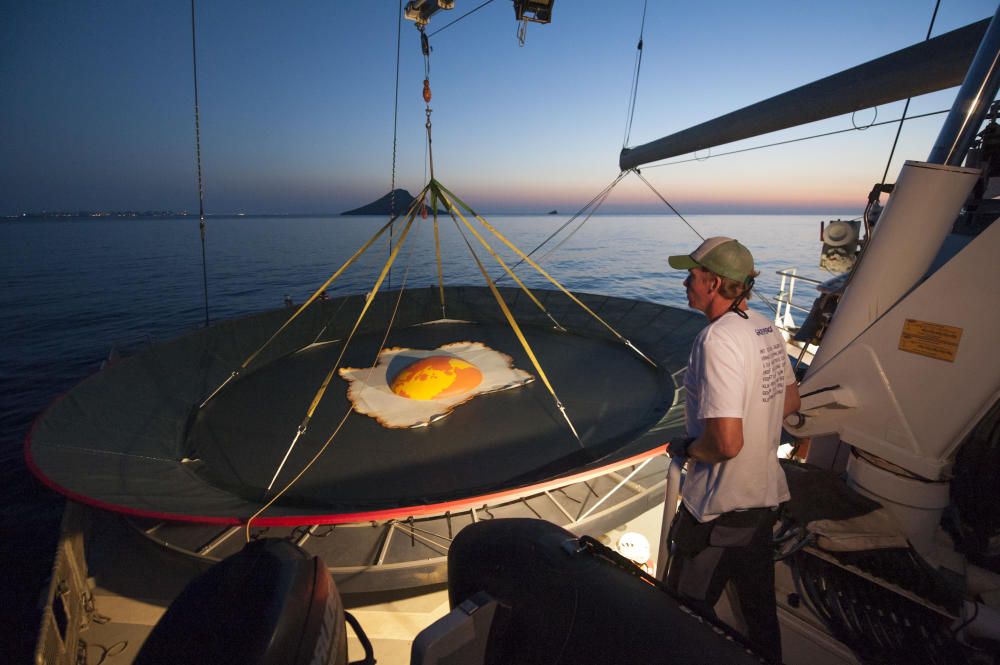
pixel 739 387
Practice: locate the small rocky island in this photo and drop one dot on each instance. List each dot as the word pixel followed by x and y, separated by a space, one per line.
pixel 384 205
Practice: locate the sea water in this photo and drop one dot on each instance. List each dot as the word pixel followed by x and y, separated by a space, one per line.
pixel 74 289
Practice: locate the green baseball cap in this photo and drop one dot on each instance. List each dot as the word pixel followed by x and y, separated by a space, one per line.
pixel 721 255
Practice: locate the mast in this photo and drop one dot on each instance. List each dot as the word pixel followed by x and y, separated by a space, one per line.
pixel 973 101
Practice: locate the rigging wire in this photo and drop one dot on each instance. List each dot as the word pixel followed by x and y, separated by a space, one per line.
pixel 578 227
pixel 395 126
pixel 600 196
pixel 321 393
pixel 507 313
pixel 340 425
pixel 541 271
pixel 796 140
pixel 767 301
pixel 197 143
pixel 471 11
pixel 425 47
pixel 874 196
pixel 635 78
pixel 650 185
pixel 316 294
pixel 906 107
pixel 503 264
pixel 880 188
pixel 330 320
pixel 854 127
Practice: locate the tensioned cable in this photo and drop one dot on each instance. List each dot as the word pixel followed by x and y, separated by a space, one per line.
pixel 340 425
pixel 600 196
pixel 864 217
pixel 425 47
pixel 668 204
pixel 364 310
pixel 635 78
pixel 767 301
pixel 764 298
pixel 579 226
pixel 318 397
pixel 197 143
pixel 873 197
pixel 906 107
pixel 511 320
pixel 471 11
pixel 236 372
pixel 496 257
pixel 603 195
pixel 395 126
pixel 333 317
pixel 489 227
pixel 802 138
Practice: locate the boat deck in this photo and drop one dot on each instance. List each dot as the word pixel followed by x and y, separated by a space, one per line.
pixel 131 580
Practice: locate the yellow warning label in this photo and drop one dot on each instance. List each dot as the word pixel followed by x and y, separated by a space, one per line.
pixel 933 340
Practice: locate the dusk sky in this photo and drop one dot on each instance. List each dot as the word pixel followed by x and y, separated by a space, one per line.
pixel 297 103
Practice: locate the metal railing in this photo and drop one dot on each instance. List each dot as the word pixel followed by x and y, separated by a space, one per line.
pixel 783 318
pixel 786 293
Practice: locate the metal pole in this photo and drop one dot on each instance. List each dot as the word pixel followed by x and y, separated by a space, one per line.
pixel 671 497
pixel 972 102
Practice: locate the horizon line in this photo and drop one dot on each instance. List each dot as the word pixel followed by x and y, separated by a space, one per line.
pixel 153 214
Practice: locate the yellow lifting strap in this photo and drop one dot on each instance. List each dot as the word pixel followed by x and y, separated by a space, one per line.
pixel 364 310
pixel 453 210
pixel 336 430
pixel 437 248
pixel 333 370
pixel 520 335
pixel 541 271
pixel 312 299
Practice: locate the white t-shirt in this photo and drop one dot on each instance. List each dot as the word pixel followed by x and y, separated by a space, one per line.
pixel 738 368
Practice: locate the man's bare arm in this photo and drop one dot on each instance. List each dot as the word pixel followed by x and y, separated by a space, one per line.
pixel 722 439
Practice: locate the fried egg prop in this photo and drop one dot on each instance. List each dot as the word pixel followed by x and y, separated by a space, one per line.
pixel 415 387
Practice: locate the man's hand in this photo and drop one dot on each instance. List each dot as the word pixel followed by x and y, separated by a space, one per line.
pixel 679 447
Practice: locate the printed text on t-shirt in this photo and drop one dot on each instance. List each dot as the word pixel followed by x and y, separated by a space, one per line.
pixel 772 382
